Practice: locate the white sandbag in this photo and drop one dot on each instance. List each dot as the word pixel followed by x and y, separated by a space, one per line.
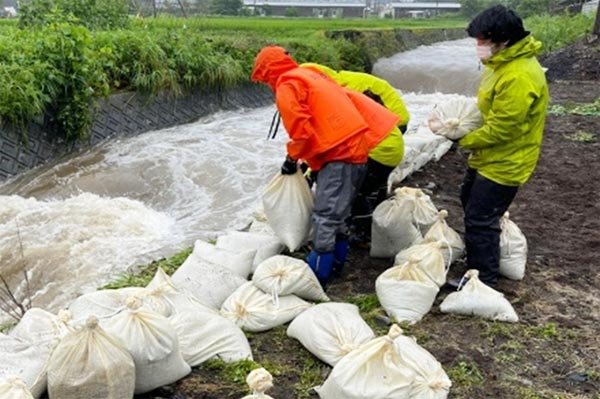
pixel 14 388
pixel 42 328
pixel 22 359
pixel 238 261
pixel 163 296
pixel 152 342
pixel 260 224
pixel 259 381
pixel 264 244
pixel 477 299
pixel 283 275
pixel 204 334
pixel 455 118
pixel 441 150
pixel 513 249
pixel 102 304
pixel 253 310
pixel 330 330
pixel 89 363
pixel 452 243
pixel 431 382
pixel 393 227
pixel 406 292
pixel 288 204
pixel 208 283
pixel 261 228
pixel 402 171
pixel 425 213
pixel 429 257
pixel 372 371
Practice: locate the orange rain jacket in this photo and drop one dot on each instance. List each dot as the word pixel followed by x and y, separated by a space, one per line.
pixel 326 122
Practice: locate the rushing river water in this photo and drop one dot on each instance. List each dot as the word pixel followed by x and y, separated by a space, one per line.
pixel 77 224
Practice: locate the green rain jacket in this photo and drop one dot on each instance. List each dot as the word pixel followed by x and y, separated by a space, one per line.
pixel 391 150
pixel 513 96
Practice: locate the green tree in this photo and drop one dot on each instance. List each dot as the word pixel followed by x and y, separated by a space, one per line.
pixel 291 12
pixel 226 7
pixel 93 14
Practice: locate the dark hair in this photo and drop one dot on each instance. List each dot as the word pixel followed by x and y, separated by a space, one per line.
pixel 499 24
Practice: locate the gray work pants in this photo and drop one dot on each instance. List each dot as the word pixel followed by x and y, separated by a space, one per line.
pixel 337 185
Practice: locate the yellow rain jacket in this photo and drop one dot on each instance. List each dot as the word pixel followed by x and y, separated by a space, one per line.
pixel 391 150
pixel 513 96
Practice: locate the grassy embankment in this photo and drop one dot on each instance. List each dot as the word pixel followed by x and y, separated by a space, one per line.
pixel 58 70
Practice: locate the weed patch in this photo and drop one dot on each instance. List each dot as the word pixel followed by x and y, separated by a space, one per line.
pixel 465 375
pixel 146 273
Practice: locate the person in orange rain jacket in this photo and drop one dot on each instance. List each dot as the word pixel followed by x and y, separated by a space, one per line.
pixel 332 129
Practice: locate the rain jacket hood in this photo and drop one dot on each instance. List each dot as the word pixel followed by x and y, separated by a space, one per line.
pixel 526 47
pixel 512 97
pixel 270 63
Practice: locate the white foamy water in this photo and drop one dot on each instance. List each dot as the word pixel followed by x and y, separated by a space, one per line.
pixel 446 67
pixel 91 217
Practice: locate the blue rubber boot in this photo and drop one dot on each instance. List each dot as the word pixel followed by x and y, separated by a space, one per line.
pixel 340 254
pixel 321 264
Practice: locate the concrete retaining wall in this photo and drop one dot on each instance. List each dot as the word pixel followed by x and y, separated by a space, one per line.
pixel 122 114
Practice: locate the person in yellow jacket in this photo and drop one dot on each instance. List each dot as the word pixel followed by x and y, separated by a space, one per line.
pixel 384 157
pixel 512 97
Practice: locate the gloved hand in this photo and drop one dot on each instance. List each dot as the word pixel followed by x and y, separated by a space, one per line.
pixel 289 167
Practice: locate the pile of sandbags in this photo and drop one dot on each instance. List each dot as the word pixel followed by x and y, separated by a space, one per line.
pixel 330 330
pixel 392 366
pixel 477 299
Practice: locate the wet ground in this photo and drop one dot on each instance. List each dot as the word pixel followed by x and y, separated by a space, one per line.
pixel 553 352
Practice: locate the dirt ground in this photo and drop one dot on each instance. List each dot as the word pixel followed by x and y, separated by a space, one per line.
pixel 554 351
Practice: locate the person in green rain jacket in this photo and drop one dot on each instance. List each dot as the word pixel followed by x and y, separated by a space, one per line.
pixel 384 157
pixel 512 97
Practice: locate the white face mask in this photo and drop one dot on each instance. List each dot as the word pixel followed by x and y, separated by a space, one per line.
pixel 484 51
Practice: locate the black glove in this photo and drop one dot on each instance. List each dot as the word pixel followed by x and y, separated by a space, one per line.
pixel 289 167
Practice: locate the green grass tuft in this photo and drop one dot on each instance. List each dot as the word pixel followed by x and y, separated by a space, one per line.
pixel 146 273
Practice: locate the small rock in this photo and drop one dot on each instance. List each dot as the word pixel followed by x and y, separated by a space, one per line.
pixel 578 377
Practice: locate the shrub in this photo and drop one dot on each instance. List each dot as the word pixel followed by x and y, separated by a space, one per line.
pixel 93 14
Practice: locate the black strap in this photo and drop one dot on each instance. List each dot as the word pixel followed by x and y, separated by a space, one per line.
pixel 274 126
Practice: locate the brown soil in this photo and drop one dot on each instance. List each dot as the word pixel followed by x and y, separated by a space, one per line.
pixel 554 351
